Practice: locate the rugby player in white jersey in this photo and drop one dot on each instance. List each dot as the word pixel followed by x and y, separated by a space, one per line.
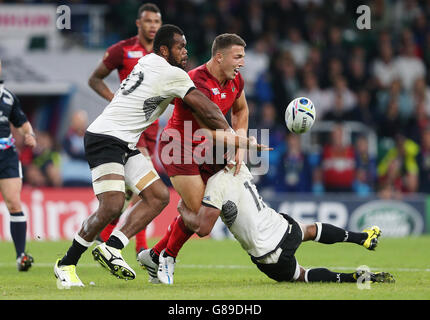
pixel 110 147
pixel 271 238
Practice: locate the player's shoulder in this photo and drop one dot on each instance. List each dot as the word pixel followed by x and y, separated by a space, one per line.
pixel 201 76
pixel 126 42
pixel 8 97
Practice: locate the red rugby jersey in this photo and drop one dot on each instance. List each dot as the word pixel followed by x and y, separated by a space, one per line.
pixel 124 55
pixel 223 97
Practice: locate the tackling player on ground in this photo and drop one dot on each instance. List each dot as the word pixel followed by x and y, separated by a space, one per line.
pixel 220 80
pixel 110 148
pixel 271 238
pixel 123 56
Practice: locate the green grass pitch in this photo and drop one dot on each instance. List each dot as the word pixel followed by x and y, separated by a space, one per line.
pixel 220 270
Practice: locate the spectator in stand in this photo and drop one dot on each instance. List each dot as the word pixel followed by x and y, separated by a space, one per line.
pixel 383 68
pixel 337 112
pixel 312 91
pixel 256 62
pixel 398 93
pixel 363 112
pixel 44 170
pixel 421 94
pixel 338 163
pixel 75 170
pixel 366 174
pixel 418 123
pixel 340 87
pixel 333 70
pixel 390 123
pixel 399 167
pixel 424 162
pixel 294 173
pixel 356 73
pixel 285 82
pixel 277 133
pixel 335 48
pixel 298 48
pixel 408 66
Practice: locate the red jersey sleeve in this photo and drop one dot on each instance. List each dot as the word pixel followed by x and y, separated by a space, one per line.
pixel 113 57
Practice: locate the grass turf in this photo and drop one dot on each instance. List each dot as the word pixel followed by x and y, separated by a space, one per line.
pixel 220 270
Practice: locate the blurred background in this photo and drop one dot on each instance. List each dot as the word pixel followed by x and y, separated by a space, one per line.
pixel 366 160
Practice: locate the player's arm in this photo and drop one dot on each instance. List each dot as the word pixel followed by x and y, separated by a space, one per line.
pixel 240 115
pixel 206 110
pixel 97 83
pixel 26 130
pixel 239 121
pixel 202 222
pixel 229 137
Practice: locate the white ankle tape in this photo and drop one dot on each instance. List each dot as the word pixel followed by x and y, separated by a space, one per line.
pixel 121 236
pixel 83 242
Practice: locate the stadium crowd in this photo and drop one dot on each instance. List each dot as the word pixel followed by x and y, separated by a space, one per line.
pixel 313 48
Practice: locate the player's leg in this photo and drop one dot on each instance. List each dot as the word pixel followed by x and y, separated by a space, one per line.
pixel 329 234
pixel 143 179
pixel 191 189
pixel 146 146
pixel 107 231
pixel 10 189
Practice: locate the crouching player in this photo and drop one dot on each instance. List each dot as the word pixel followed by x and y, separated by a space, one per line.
pixel 269 237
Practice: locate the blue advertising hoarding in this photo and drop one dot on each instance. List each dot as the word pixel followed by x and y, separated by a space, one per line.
pixel 397 218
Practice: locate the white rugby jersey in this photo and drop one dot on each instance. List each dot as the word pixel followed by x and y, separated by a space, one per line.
pixel 258 228
pixel 142 97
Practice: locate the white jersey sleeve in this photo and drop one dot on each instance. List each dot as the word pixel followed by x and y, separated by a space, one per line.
pixel 177 84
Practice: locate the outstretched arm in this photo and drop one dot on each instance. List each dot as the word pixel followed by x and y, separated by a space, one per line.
pixel 202 222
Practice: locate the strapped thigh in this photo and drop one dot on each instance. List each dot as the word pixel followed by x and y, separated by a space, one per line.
pixel 102 186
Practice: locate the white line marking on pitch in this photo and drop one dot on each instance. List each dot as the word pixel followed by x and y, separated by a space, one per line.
pixel 220 266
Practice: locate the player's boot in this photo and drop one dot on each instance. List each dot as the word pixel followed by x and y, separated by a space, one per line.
pixel 145 260
pixel 24 262
pixel 67 276
pixel 166 268
pixel 380 277
pixel 372 239
pixel 111 259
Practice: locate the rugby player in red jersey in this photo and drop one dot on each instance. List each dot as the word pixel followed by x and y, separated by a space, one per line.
pixel 219 79
pixel 123 56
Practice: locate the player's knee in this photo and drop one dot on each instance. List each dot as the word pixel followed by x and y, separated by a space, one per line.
pixel 111 206
pixel 158 195
pixel 163 196
pixel 13 205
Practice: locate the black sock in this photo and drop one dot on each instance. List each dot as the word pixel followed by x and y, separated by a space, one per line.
pixel 114 242
pixel 325 275
pixel 330 234
pixel 73 254
pixel 18 231
pixel 154 256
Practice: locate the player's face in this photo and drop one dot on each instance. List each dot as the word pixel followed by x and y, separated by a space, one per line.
pixel 148 24
pixel 233 59
pixel 178 55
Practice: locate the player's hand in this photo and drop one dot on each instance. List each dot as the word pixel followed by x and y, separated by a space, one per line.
pixel 30 140
pixel 260 147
